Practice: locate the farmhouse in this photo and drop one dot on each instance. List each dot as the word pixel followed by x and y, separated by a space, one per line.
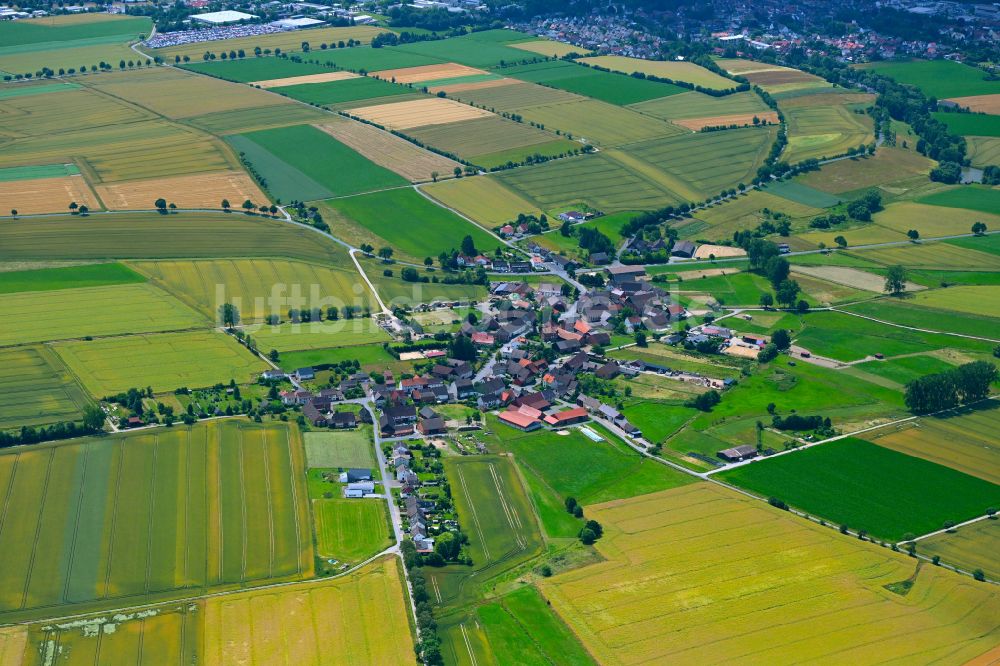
pixel 523 418
pixel 567 417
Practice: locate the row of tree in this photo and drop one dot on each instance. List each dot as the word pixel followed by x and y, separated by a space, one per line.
pixel 945 390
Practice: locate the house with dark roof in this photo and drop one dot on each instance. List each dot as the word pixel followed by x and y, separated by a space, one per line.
pixel 343 420
pixel 684 249
pixel 432 426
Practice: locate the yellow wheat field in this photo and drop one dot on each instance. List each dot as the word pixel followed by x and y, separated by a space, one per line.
pixel 308 78
pixel 980 103
pixel 359 619
pixel 740 119
pixel 419 112
pixel 202 191
pixel 472 85
pixel 45 195
pixel 701 574
pixel 448 70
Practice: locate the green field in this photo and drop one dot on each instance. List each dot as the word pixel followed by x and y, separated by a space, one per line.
pixel 36 388
pixel 43 32
pixel 802 194
pixel 75 313
pixel 590 120
pixel 824 131
pixel 350 530
pixel 153 236
pixel 938 78
pixel 411 223
pixel 868 487
pixel 658 421
pixel 165 361
pixel 597 180
pixel 371 357
pixel 905 369
pixel 305 163
pixel 971 197
pixel 69 277
pixel 699 105
pixel 609 87
pixel 128 519
pixel 477 49
pixel 37 171
pixel 395 291
pixel 291 336
pixel 971 124
pixel 21 91
pixel 937 311
pixel 338 92
pixel 495 512
pixel 373 60
pixel 257 287
pixel 346 449
pixel 483 199
pixel 250 120
pixel 246 70
pixel 492 141
pixel 519 628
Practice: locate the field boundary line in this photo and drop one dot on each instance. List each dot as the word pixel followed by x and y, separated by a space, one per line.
pixel 512 518
pixel 296 508
pixel 243 505
pixel 909 328
pixel 152 512
pixel 76 523
pixel 270 509
pixel 475 514
pixel 38 527
pixel 114 516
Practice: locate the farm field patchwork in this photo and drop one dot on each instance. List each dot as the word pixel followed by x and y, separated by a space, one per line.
pixel 966 440
pixel 932 221
pixel 699 105
pixel 824 131
pixel 67 277
pixel 154 236
pixel 166 361
pixel 701 573
pixel 259 118
pixel 258 287
pixel 492 141
pixel 387 150
pixel 36 388
pixel 42 116
pixel 411 223
pixel 418 113
pixel 594 121
pixel 46 195
pixel 869 487
pixel 743 212
pixel 604 86
pixel 951 319
pixel 304 163
pixel 486 200
pixel 350 530
pixel 320 77
pixel 257 70
pixel 971 197
pixel 983 150
pixel 91 311
pixel 184 504
pixel 665 69
pixel 511 95
pixel 887 167
pixel 340 92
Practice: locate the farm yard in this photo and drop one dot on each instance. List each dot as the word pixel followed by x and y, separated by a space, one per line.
pixel 133 498
pixel 821 595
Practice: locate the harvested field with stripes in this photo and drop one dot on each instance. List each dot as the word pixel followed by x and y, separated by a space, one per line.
pixel 980 103
pixel 664 69
pixel 134 518
pixel 739 119
pixel 36 388
pixel 491 141
pixel 418 113
pixel 324 77
pixel 257 287
pixel 201 191
pixel 166 361
pixel 388 150
pixel 46 195
pixel 75 313
pixel 701 573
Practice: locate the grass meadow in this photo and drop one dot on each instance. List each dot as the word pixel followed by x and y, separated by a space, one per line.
pixel 327 334
pixel 491 141
pixel 351 530
pixel 371 357
pixel 666 69
pixel 126 519
pixel 248 70
pixel 258 287
pixel 608 87
pixel 938 78
pixel 346 449
pixel 36 389
pixel 971 197
pixel 732 580
pixel 165 361
pixel 983 150
pixel 91 311
pixel 594 121
pixel 68 277
pixel 971 124
pixel 868 487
